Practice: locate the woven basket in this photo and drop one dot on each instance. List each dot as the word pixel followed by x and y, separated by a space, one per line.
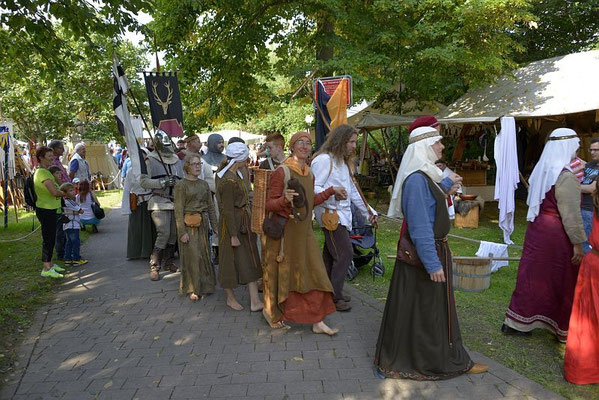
pixel 261 177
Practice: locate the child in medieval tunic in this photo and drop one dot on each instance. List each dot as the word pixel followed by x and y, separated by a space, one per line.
pixel 193 211
pixel 239 261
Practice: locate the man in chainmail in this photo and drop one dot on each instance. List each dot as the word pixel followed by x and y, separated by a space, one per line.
pixel 211 161
pixel 164 171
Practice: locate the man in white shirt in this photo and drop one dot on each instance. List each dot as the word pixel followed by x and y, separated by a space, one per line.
pixel 331 168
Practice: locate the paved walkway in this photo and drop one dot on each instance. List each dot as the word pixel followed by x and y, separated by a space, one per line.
pixel 113 334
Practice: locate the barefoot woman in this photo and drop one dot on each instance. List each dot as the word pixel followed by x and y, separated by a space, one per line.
pixel 296 285
pixel 193 210
pixel 239 260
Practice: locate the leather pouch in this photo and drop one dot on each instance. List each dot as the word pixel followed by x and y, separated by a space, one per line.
pixel 274 226
pixel 193 220
pixel 406 252
pixel 132 201
pixel 330 219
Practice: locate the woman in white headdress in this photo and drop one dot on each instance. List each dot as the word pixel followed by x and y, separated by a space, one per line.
pixel 238 256
pixel 420 337
pixel 552 246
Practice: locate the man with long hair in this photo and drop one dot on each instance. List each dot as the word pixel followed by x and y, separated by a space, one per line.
pixel 333 167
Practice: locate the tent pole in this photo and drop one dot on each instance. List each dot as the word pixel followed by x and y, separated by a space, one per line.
pixel 364 146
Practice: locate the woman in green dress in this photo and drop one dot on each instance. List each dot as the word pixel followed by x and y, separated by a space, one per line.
pixel 238 256
pixel 193 211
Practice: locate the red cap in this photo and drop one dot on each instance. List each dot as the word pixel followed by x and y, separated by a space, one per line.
pixel 427 120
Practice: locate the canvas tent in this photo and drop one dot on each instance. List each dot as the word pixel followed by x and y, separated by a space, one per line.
pixel 555 86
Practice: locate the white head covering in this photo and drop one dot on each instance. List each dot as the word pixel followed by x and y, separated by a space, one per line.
pixel 419 156
pixel 236 152
pixel 559 150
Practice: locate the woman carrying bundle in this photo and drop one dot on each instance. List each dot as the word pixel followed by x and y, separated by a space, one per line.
pixel 296 285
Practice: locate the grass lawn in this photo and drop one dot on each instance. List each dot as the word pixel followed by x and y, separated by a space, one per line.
pixel 22 289
pixel 539 357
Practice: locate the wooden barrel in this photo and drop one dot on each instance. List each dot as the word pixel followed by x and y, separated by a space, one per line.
pixel 473 275
pixel 261 177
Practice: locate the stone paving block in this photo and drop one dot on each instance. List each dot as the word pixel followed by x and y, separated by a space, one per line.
pixel 534 389
pixel 139 382
pixel 480 391
pixel 342 386
pixel 121 394
pixel 253 356
pixel 236 366
pixel 337 363
pixel 303 365
pixel 285 376
pixel 316 354
pixel 166 370
pixel 263 389
pixel 270 347
pixel 98 385
pixel 153 393
pixel 285 355
pixel 305 387
pixel 206 367
pixel 155 360
pixel 223 357
pixel 230 390
pixel 267 366
pixel 301 345
pixel 249 377
pixel 332 345
pixel 97 374
pixel 356 373
pixel 177 380
pixel 131 372
pixel 321 375
pixel 75 395
pixel 191 392
pixel 213 379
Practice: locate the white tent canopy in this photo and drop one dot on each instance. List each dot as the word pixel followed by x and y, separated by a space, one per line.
pixel 249 138
pixel 555 86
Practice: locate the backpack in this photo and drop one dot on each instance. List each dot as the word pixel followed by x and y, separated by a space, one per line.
pixel 29 191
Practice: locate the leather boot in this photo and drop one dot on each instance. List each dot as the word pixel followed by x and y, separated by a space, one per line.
pixel 169 258
pixel 155 259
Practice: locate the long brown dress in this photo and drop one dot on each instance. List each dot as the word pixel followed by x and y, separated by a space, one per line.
pixel 197 274
pixel 420 336
pixel 236 265
pixel 297 289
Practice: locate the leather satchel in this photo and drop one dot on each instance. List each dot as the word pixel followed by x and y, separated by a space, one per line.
pixel 406 252
pixel 193 220
pixel 274 226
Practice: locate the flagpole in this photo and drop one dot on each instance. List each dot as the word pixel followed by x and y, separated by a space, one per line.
pixel 148 129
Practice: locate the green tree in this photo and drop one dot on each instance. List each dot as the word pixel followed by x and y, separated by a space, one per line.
pixel 45 28
pixel 436 49
pixel 75 102
pixel 560 27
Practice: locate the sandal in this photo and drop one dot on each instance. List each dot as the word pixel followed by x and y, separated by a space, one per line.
pixel 274 325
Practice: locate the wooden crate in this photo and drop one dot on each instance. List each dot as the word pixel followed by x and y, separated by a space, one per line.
pixel 468 221
pixel 472 177
pixel 473 275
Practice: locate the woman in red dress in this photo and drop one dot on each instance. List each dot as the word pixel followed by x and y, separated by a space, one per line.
pixel 581 363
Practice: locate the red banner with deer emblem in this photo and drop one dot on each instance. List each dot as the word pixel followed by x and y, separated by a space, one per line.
pixel 165 102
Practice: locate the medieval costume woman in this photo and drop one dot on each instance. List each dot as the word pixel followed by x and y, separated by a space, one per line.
pixel 420 336
pixel 552 246
pixel 296 285
pixel 239 260
pixel 193 210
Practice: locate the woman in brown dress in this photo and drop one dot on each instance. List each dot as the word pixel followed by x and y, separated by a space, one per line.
pixel 238 257
pixel 296 285
pixel 193 210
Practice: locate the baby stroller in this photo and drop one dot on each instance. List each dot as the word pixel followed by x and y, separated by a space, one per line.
pixel 363 240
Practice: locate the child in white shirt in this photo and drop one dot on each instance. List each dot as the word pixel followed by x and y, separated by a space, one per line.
pixel 72 211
